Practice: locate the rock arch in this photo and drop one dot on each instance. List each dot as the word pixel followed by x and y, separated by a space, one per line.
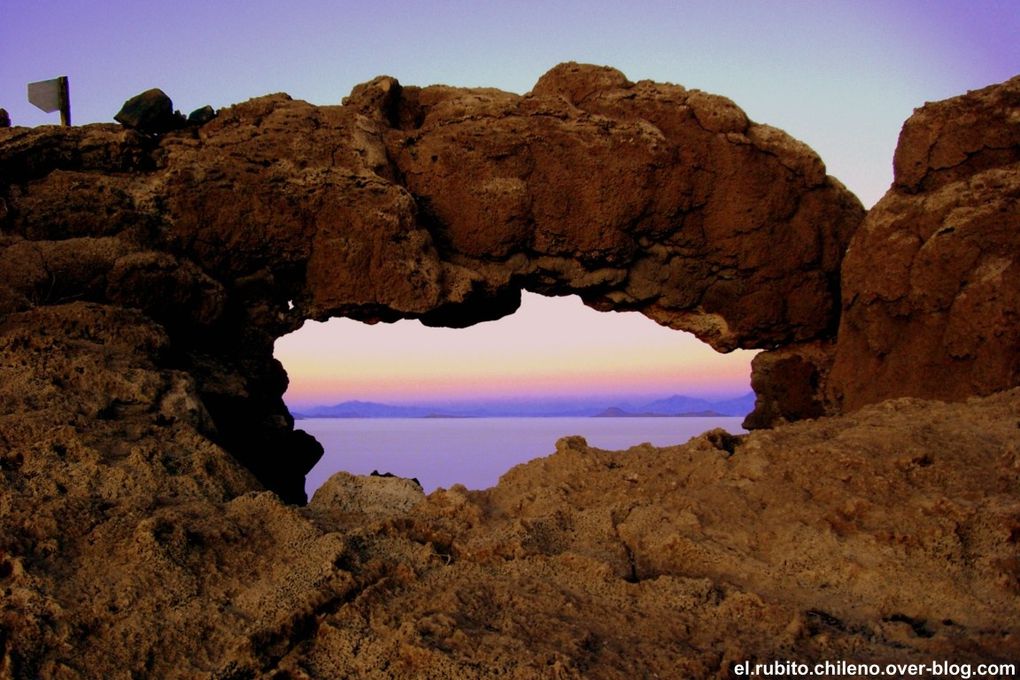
pixel 433 203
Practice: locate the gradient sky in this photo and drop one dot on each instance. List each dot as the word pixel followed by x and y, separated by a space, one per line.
pixel 839 75
pixel 548 348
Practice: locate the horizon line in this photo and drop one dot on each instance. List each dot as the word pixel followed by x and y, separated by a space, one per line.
pixel 305 402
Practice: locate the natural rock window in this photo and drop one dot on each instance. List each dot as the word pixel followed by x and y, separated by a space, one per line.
pixel 438 204
pixel 150 470
pixel 464 405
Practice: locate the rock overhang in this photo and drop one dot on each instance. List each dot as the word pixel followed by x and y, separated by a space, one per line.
pixel 131 355
pixel 434 203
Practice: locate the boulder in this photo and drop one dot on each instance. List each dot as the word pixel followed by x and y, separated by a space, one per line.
pixel 151 112
pixel 789 384
pixel 375 495
pixel 202 115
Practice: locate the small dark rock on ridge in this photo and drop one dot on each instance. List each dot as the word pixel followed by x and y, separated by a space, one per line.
pixel 5 119
pixel 201 116
pixel 376 473
pixel 152 112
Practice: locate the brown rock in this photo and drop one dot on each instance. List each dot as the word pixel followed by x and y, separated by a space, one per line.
pixel 666 208
pixel 378 98
pixel 824 537
pixel 789 384
pixel 888 535
pixel 434 203
pixel 957 138
pixel 931 282
pixel 136 372
pixel 201 116
pixel 151 112
pixel 376 496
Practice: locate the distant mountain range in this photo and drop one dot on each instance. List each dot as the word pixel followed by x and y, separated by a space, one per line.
pixel 675 406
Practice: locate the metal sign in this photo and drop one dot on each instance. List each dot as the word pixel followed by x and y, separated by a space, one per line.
pixel 52 95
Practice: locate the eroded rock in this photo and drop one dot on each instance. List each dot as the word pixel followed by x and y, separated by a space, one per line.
pixel 144 280
pixel 434 203
pixel 888 535
pixel 151 112
pixel 789 384
pixel 931 282
pixel 202 115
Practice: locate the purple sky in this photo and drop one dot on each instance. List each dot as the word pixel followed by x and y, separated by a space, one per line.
pixel 839 75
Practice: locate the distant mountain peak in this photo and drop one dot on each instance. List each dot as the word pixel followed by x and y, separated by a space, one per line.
pixel 675 405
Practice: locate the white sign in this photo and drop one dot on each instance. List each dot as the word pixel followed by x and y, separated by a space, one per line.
pixel 52 95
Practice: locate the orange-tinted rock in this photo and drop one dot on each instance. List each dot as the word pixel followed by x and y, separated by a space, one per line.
pixel 434 203
pixel 931 282
pixel 143 281
pixel 888 535
pixel 789 384
pixel 684 209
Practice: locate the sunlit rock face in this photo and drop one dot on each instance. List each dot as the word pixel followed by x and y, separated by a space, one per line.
pixel 434 203
pixel 931 282
pixel 143 281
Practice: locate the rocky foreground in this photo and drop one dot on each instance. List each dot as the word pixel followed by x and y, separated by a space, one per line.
pixel 151 512
pixel 889 535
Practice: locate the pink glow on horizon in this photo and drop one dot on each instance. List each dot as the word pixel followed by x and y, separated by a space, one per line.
pixel 575 351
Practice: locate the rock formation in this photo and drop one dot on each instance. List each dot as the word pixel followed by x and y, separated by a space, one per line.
pixel 432 203
pixel 889 535
pixel 940 318
pixel 144 278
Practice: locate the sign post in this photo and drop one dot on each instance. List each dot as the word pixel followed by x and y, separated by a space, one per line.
pixel 52 95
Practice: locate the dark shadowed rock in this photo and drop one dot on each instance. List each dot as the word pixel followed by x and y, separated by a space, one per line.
pixel 144 280
pixel 201 116
pixel 151 112
pixel 5 119
pixel 789 384
pixel 378 98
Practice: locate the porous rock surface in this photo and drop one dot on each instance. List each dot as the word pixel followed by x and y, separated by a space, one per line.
pixel 142 283
pixel 434 203
pixel 132 546
pixel 931 281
